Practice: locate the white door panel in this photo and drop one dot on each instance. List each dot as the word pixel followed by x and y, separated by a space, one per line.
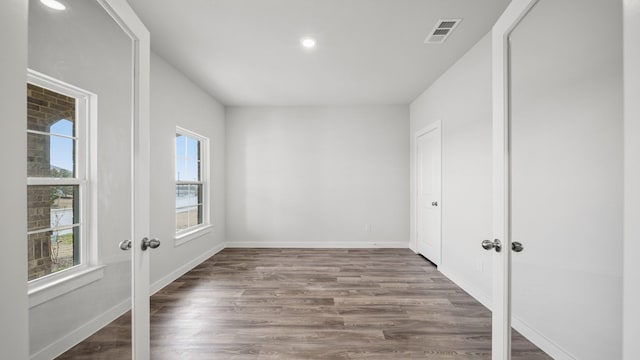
pixel 557 180
pixel 428 190
pixel 88 155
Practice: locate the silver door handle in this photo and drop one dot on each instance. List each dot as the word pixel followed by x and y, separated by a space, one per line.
pixel 495 244
pixel 516 246
pixel 153 243
pixel 125 245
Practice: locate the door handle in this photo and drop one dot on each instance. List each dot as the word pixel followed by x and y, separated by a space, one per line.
pixel 434 203
pixel 125 245
pixel 153 243
pixel 516 246
pixel 495 244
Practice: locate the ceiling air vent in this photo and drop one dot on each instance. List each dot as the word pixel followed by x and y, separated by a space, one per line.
pixel 441 31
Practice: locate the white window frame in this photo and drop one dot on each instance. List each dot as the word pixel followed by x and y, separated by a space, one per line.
pixel 194 232
pixel 55 284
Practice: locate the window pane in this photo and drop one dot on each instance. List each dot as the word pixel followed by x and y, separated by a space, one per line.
pixel 63 127
pixel 50 112
pixel 187 195
pixel 182 218
pixel 188 206
pixel 180 146
pixel 189 199
pixel 50 156
pixel 187 170
pixel 52 251
pixel 52 206
pixel 194 216
pixel 180 165
pixel 187 158
pixel 193 149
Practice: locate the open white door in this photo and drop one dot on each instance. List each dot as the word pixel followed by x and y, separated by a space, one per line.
pixel 87 178
pixel 558 175
pixel 142 241
pixel 501 312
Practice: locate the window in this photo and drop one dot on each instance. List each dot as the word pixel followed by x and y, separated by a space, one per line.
pixel 191 182
pixel 56 176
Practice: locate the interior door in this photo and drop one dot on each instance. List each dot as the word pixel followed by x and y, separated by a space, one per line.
pixel 428 193
pixel 87 160
pixel 560 174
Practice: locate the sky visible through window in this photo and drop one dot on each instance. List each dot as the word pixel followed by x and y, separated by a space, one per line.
pixel 61 148
pixel 187 164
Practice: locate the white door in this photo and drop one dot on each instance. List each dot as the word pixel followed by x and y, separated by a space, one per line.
pixel 428 192
pixel 88 175
pixel 558 175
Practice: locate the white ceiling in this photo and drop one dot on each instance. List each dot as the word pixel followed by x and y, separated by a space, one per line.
pixel 247 52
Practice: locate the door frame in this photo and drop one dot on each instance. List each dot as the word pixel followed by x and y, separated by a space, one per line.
pixel 631 272
pixel 123 14
pixel 434 126
pixel 14 312
pixel 501 304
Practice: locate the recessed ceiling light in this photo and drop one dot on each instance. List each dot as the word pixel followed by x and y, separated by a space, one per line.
pixel 308 43
pixel 54 4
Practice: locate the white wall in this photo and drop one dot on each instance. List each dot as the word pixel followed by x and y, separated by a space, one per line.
pixel 317 176
pixel 176 101
pixel 461 99
pixel 632 180
pixel 13 151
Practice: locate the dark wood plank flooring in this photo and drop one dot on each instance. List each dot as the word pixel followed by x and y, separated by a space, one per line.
pixel 264 304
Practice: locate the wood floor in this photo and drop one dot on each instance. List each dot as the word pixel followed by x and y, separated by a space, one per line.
pixel 310 304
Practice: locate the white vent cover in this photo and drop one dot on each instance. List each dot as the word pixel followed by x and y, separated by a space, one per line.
pixel 442 30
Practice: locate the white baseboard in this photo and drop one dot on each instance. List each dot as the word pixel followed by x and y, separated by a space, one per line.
pixel 324 245
pixel 541 341
pixel 472 290
pixel 174 275
pixel 73 338
pixel 529 332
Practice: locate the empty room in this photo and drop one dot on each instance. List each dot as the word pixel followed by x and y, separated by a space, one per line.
pixel 320 179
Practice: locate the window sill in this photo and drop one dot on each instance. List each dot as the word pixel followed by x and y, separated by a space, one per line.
pixel 47 289
pixel 192 235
